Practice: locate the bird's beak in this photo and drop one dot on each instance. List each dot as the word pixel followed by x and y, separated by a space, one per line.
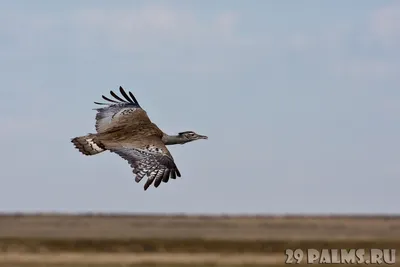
pixel 203 137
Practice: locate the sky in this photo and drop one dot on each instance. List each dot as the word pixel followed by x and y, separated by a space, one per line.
pixel 300 101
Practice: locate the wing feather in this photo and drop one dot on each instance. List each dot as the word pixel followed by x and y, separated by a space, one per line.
pixel 125 95
pixel 133 98
pixel 152 160
pixel 117 97
pixel 120 111
pixel 97 103
pixel 107 99
pixel 166 175
pixel 158 178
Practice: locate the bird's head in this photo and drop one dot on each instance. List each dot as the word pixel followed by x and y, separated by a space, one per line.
pixel 190 136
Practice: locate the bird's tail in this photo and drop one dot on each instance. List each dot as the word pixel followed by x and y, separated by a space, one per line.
pixel 88 145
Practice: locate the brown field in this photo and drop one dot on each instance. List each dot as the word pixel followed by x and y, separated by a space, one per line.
pixel 174 240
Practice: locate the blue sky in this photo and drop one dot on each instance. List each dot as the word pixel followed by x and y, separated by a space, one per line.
pixel 300 101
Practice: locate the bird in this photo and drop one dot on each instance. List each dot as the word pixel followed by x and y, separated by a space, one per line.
pixel 124 128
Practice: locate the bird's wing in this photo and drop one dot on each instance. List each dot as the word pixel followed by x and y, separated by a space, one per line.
pixel 148 157
pixel 119 112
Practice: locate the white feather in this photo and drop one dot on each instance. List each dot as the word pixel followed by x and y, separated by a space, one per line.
pixel 94 145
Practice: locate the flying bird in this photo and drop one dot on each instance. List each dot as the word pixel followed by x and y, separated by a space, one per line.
pixel 124 128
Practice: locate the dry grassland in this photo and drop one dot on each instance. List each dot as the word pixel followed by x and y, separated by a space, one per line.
pixel 119 240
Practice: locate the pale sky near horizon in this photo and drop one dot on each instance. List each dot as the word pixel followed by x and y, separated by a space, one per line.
pixel 300 100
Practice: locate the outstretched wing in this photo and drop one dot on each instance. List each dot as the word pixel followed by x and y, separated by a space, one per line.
pixel 151 159
pixel 119 111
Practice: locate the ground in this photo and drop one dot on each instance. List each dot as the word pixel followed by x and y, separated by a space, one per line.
pixel 172 240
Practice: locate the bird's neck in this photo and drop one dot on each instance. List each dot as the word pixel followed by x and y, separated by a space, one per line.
pixel 173 139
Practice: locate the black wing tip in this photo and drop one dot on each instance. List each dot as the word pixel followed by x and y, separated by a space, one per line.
pixel 157 183
pixel 117 97
pixel 131 98
pixel 122 91
pixel 147 184
pixel 172 173
pixel 128 98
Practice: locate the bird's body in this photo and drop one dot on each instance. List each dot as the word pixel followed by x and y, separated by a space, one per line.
pixel 124 128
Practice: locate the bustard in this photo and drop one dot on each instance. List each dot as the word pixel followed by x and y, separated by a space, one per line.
pixel 124 128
